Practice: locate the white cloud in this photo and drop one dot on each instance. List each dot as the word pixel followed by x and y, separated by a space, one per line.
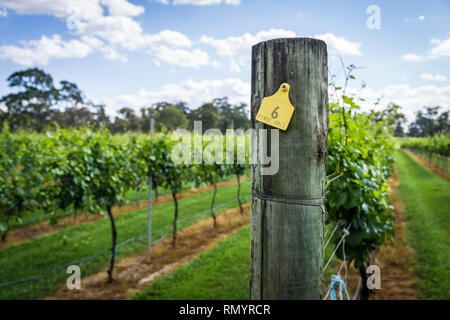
pixel 85 9
pixel 415 58
pixel 113 55
pixel 197 2
pixel 409 98
pixel 89 9
pixel 128 34
pixel 193 92
pixel 340 45
pixel 203 2
pixel 108 34
pixel 184 58
pixel 436 77
pixel 108 52
pixel 238 49
pixel 435 41
pixel 3 12
pixel 440 49
pixel 122 8
pixel 421 18
pixel 41 51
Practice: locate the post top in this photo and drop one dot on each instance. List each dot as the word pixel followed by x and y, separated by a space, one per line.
pixel 313 41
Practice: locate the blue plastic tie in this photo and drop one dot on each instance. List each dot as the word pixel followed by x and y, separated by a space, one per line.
pixel 337 280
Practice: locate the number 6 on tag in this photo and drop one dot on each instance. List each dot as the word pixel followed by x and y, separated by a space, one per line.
pixel 277 110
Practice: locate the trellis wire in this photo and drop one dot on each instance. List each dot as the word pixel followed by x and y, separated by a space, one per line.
pixel 357 289
pixel 337 177
pixel 346 233
pixel 7 284
pixel 332 233
pixel 343 264
pixel 68 214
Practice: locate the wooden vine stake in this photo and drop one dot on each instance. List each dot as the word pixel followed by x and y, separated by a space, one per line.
pixel 287 216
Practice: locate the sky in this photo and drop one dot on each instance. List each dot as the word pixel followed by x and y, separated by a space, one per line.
pixel 133 53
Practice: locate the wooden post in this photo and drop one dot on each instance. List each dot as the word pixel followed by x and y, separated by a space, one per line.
pixel 287 216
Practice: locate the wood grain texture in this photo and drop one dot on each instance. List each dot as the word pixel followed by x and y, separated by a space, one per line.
pixel 286 239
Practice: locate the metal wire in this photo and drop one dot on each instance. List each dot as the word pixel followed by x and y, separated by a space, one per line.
pixel 357 289
pixel 337 177
pixel 7 284
pixel 331 236
pixel 294 201
pixel 68 214
pixel 346 233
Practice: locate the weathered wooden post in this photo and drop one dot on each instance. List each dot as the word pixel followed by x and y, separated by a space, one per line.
pixel 287 213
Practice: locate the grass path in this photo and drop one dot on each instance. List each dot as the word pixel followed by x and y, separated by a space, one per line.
pixel 43 254
pixel 426 198
pixel 133 273
pixel 221 273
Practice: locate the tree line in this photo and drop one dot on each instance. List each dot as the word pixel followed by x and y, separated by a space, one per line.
pixel 38 103
pixel 429 122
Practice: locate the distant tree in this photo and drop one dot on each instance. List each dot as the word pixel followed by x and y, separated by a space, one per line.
pixel 208 113
pixel 101 119
pixel 70 94
pixel 391 116
pixel 430 122
pixel 33 99
pixel 170 118
pixel 398 131
pixel 36 102
pixel 182 106
pixel 126 121
pixel 73 117
pixel 144 119
pixel 231 116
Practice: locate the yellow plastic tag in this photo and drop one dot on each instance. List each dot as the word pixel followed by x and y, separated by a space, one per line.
pixel 276 110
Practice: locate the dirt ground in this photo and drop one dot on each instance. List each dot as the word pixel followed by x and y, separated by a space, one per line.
pixel 438 170
pixel 133 274
pixel 393 260
pixel 19 235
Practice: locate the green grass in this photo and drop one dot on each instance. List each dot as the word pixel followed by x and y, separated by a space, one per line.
pixel 221 273
pixel 427 208
pixel 43 254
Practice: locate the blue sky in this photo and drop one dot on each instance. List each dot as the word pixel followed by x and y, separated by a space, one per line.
pixel 136 52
